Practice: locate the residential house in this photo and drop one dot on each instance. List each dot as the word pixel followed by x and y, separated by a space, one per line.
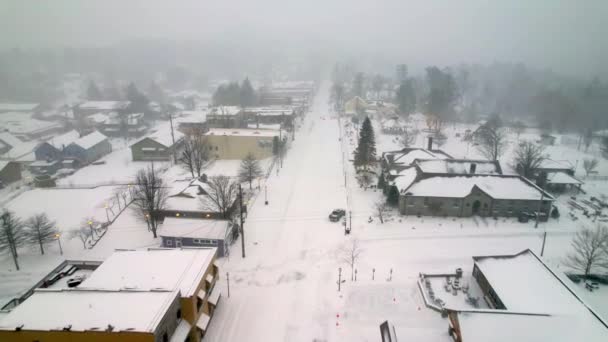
pixel 10 171
pixel 560 175
pixel 88 149
pixel 154 295
pixel 394 161
pixel 93 107
pixel 52 149
pixel 162 144
pixel 528 302
pixel 238 143
pixel 192 121
pixel 117 125
pixel 355 106
pixel 190 199
pixel 188 232
pixel 225 117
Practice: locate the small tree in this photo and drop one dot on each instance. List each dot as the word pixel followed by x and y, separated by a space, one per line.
pixel 250 169
pixel 149 197
pixel 195 154
pixel 349 253
pixel 40 230
pixel 492 141
pixel 408 138
pixel 392 197
pixel 380 208
pixel 220 196
pixel 11 235
pixel 83 234
pixel 590 250
pixel 365 180
pixel 528 157
pixel 590 165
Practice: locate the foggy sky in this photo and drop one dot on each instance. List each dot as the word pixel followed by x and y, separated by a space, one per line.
pixel 567 36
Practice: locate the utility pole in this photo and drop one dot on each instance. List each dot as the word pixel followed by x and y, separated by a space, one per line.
pixel 339 277
pixel 172 137
pixel 228 282
pixel 265 194
pixel 542 197
pixel 242 221
pixel 542 250
pixel 350 220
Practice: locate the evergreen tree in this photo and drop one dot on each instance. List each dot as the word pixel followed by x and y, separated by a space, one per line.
pixel 40 230
pixel 156 93
pixel 392 198
pixel 247 94
pixel 93 92
pixel 139 101
pixel 381 182
pixel 358 85
pixel 365 153
pixel 406 97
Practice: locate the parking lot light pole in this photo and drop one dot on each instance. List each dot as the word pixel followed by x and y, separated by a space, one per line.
pixel 58 237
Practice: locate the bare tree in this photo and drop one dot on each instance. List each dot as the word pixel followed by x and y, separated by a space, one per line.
pixel 519 128
pixel 149 197
pixel 250 169
pixel 11 235
pixel 349 254
pixel 589 165
pixel 365 180
pixel 408 138
pixel 492 141
pixel 380 208
pixel 221 193
pixel 528 157
pixel 40 230
pixel 195 154
pixel 83 234
pixel 590 250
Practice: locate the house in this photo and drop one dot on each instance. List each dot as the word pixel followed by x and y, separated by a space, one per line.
pixel 281 115
pixel 395 161
pixel 26 127
pixel 93 107
pixel 88 149
pixel 134 295
pixel 45 167
pixel 52 149
pixel 472 194
pixel 163 144
pixel 238 143
pixel 354 106
pixel 560 175
pixel 117 125
pixel 19 107
pixel 192 121
pixel 18 150
pixel 190 199
pixel 225 117
pixel 287 93
pixel 188 232
pixel 10 171
pixel 528 302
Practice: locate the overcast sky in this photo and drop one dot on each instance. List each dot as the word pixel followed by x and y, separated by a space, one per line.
pixel 564 35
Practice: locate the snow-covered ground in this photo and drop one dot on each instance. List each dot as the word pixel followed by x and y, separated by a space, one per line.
pixel 286 288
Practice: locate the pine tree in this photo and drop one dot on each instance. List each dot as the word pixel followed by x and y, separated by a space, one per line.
pixel 365 154
pixel 139 101
pixel 40 230
pixel 392 197
pixel 406 97
pixel 247 96
pixel 93 92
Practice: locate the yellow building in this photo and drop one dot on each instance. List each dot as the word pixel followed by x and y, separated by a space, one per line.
pixel 238 143
pixel 354 106
pixel 156 295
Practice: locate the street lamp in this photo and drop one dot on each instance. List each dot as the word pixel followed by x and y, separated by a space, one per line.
pixel 58 236
pixel 265 195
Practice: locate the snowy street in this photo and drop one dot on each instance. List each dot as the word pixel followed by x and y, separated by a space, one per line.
pixel 285 289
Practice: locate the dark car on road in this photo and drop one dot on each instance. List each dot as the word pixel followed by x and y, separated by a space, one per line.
pixel 336 215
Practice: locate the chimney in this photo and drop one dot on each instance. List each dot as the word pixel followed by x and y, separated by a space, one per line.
pixel 473 168
pixel 430 144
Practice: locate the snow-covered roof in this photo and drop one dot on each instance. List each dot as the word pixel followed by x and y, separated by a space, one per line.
pixel 409 155
pixel 456 166
pixel 10 139
pixel 271 110
pixel 86 309
pixel 98 118
pixel 169 269
pixel 243 132
pixel 18 107
pixel 104 105
pixel 561 178
pixel 64 139
pixel 195 228
pixel 90 140
pixel 497 187
pixel 556 164
pixel 192 116
pixel 525 284
pixel 405 178
pixel 3 164
pixel 162 135
pixel 23 123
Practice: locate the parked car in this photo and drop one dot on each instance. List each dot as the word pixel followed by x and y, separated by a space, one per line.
pixel 336 215
pixel 75 281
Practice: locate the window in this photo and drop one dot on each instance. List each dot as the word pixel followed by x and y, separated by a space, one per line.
pixel 179 313
pixel 456 203
pixel 169 242
pixel 199 303
pixel 165 337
